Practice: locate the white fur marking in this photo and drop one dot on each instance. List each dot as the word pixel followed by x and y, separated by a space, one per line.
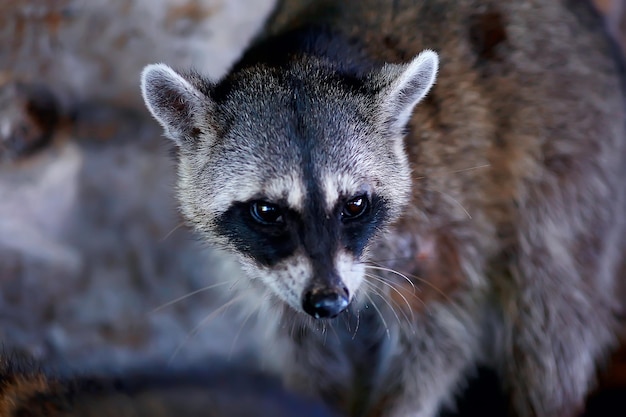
pixel 350 271
pixel 290 186
pixel 287 279
pixel 335 185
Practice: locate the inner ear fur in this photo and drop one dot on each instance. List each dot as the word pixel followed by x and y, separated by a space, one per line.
pixel 176 102
pixel 402 86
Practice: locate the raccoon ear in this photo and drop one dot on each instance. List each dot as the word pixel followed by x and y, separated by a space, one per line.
pixel 405 85
pixel 179 106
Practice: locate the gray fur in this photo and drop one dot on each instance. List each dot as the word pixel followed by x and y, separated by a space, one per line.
pixel 506 199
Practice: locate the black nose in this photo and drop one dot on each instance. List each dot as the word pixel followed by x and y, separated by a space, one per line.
pixel 325 302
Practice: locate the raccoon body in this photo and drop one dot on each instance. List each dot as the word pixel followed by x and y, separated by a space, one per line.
pixel 394 246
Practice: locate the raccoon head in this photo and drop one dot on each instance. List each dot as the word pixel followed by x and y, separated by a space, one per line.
pixel 294 169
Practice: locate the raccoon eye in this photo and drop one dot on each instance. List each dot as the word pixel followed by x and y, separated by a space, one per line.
pixel 266 213
pixel 355 208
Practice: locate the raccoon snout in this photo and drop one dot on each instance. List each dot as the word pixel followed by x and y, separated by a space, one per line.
pixel 325 302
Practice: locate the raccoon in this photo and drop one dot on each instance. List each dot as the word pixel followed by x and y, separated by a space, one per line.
pixel 416 188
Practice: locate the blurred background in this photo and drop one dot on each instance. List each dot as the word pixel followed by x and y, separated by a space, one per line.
pixel 90 239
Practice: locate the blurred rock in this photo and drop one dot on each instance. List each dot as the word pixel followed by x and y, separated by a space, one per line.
pixel 95 49
pixel 90 238
pixel 91 242
pixel 29 115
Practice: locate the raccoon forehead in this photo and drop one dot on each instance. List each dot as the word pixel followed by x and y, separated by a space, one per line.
pixel 336 185
pixel 289 188
pixel 389 182
pixel 286 189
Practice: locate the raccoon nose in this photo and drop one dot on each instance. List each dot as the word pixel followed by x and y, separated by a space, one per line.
pixel 325 302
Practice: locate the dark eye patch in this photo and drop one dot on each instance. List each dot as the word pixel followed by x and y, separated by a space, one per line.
pixel 269 238
pixel 271 232
pixel 368 216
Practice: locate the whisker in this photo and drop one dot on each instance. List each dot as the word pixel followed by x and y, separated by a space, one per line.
pixel 434 287
pixel 378 292
pixel 379 261
pixel 176 300
pixel 391 284
pixel 382 281
pixel 236 338
pixel 324 333
pixel 469 216
pixel 292 331
pixel 455 172
pixel 299 326
pixel 382 319
pixel 358 322
pixel 171 232
pixel 333 326
pixel 382 268
pixel 423 281
pixel 203 323
pixel 454 200
pixel 346 320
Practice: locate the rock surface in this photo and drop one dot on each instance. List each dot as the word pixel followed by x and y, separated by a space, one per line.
pixel 95 49
pixel 90 238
